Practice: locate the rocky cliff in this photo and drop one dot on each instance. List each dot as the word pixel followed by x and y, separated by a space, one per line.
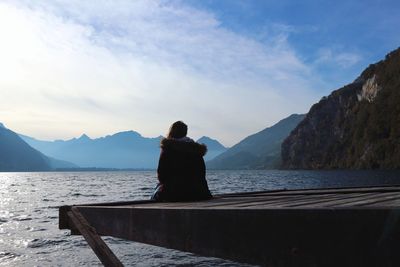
pixel 357 126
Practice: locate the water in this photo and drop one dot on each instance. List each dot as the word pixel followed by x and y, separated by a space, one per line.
pixel 29 202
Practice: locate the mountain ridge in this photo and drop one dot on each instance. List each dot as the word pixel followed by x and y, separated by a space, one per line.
pixel 214 147
pixel 355 127
pixel 17 155
pixel 121 150
pixel 257 151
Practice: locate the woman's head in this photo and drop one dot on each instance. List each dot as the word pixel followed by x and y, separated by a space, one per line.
pixel 177 130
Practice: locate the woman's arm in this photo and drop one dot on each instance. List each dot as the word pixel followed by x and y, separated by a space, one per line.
pixel 163 167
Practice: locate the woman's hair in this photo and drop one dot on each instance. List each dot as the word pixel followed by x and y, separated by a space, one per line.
pixel 177 130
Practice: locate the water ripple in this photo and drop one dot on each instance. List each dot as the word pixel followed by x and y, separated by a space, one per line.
pixel 7 255
pixel 39 243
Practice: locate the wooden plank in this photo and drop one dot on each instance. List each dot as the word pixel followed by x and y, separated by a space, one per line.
pixel 250 193
pixel 340 191
pixel 387 203
pixel 349 199
pixel 204 204
pixel 241 201
pixel 269 201
pixel 226 202
pixel 310 199
pixel 320 201
pixel 298 201
pixel 379 199
pixel 352 202
pixel 210 205
pixel 99 247
pixel 284 191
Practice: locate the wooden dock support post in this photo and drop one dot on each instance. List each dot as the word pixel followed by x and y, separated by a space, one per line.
pixel 103 252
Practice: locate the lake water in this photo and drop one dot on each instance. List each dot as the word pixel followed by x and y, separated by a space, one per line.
pixel 29 202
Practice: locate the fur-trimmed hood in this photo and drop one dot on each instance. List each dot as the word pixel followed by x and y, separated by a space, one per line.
pixel 184 146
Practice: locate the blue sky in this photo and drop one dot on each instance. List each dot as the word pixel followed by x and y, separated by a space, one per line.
pixel 228 68
pixel 357 33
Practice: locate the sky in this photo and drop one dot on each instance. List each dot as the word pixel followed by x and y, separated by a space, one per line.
pixel 227 68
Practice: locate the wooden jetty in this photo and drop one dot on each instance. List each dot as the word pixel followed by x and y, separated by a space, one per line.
pixel 315 227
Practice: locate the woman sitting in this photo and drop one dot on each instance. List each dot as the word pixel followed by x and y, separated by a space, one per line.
pixel 181 169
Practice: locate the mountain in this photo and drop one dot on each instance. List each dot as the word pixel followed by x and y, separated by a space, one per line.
pixel 121 150
pixel 258 151
pixel 16 155
pixel 60 164
pixel 356 126
pixel 214 148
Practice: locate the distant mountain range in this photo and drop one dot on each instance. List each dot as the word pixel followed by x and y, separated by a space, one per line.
pixel 17 155
pixel 123 150
pixel 258 151
pixel 357 126
pixel 214 148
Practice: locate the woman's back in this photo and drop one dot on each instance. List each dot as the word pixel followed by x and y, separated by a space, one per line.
pixel 181 170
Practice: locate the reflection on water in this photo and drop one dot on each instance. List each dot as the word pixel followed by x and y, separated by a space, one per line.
pixel 29 204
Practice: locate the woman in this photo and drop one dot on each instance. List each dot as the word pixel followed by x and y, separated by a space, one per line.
pixel 181 169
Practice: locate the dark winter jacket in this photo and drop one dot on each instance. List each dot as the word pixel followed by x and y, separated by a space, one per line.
pixel 181 171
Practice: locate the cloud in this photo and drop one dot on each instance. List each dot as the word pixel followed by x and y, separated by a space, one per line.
pixel 104 66
pixel 337 57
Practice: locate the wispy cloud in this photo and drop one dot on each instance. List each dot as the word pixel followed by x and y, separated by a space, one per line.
pixel 336 57
pixel 111 65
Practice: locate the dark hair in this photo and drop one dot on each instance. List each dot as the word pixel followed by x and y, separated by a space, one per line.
pixel 177 130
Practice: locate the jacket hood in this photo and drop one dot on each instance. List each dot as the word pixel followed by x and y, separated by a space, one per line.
pixel 184 146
